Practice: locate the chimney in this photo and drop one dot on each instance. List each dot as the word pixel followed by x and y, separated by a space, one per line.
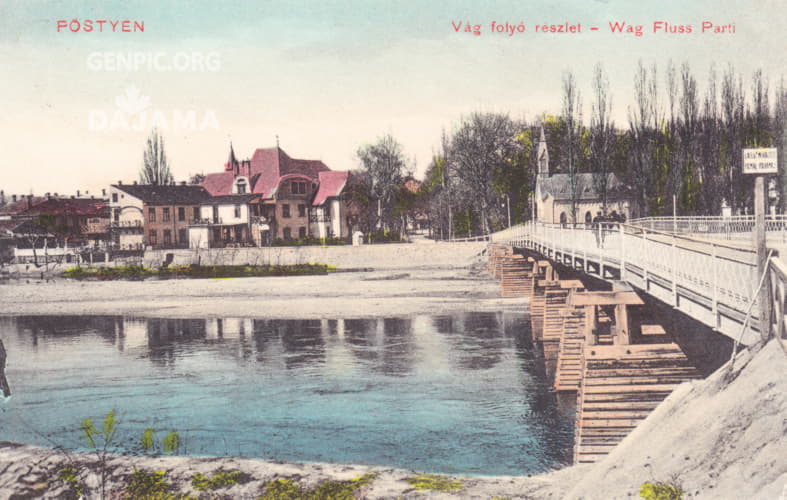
pixel 48 195
pixel 72 196
pixel 13 198
pixel 182 183
pixel 135 183
pixel 30 201
pixel 120 183
pixel 77 194
pixel 103 192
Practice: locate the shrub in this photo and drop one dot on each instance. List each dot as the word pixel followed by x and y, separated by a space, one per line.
pixel 661 491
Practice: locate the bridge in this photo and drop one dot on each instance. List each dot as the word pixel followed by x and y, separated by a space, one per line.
pixel 705 267
pixel 622 364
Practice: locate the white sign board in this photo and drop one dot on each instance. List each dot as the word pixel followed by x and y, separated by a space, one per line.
pixel 760 161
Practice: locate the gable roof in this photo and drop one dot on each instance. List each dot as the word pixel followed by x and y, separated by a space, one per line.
pixel 22 204
pixel 331 184
pixel 558 186
pixel 167 194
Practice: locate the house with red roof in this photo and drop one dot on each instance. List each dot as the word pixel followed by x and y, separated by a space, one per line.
pixel 295 198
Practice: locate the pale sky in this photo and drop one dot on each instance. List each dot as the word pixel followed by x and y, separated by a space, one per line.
pixel 325 76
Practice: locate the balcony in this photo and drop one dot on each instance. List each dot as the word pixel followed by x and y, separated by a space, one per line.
pixel 115 224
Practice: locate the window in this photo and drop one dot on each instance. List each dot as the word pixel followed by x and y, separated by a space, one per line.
pixel 301 232
pixel 152 214
pixel 215 214
pixel 298 188
pixel 301 210
pixel 287 233
pixel 237 211
pixel 241 186
pixel 181 213
pixel 165 214
pixel 183 236
pixel 285 211
pixel 114 197
pixel 167 237
pixel 153 237
pixel 117 215
pixel 196 213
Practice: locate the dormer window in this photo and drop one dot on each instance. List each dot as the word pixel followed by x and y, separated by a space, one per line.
pixel 240 186
pixel 298 188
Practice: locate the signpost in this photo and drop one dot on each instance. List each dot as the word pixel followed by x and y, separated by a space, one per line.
pixel 761 162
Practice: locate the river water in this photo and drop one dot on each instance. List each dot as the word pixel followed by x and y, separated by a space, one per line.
pixel 462 393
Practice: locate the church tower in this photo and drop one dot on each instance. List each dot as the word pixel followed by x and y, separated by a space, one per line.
pixel 542 155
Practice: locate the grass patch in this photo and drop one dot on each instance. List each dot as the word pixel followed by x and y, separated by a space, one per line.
pixel 285 489
pixel 140 272
pixel 144 485
pixel 220 479
pixel 434 482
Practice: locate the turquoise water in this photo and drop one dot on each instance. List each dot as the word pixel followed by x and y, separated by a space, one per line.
pixel 463 393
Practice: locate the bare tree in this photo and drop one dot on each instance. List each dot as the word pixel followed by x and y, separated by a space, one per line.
pixel 602 132
pixel 384 164
pixel 484 144
pixel 155 167
pixel 572 116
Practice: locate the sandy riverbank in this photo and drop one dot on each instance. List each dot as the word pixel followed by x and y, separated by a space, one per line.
pixel 353 294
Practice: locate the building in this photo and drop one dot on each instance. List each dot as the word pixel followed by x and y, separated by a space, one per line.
pixel 297 198
pixel 553 195
pixel 230 220
pixel 156 216
pixel 55 229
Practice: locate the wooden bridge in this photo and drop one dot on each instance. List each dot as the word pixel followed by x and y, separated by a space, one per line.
pixel 712 280
pixel 595 343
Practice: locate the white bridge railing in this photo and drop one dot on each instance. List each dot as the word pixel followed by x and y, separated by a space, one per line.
pixel 712 281
pixel 733 228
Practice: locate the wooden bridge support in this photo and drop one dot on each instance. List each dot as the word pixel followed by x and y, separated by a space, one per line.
pixel 621 385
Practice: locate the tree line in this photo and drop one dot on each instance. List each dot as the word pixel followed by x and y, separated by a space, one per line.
pixel 675 141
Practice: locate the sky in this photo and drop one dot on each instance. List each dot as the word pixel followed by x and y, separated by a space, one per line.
pixel 322 76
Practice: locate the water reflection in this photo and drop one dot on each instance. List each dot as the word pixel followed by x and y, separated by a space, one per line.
pixel 459 393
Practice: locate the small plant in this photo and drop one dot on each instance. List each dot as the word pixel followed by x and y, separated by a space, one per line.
pixel 148 440
pixel 69 476
pixel 661 491
pixel 282 489
pixel 434 482
pixel 100 440
pixel 219 479
pixel 171 442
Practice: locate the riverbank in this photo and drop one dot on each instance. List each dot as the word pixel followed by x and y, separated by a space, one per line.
pixel 29 472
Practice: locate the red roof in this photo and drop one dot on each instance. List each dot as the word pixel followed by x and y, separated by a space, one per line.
pixel 331 184
pixel 265 171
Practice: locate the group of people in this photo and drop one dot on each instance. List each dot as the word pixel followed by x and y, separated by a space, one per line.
pixel 602 223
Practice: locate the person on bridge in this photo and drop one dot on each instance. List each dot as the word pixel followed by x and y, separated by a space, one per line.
pixel 598 222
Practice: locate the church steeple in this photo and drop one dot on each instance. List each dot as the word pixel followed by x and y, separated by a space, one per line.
pixel 232 162
pixel 542 155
